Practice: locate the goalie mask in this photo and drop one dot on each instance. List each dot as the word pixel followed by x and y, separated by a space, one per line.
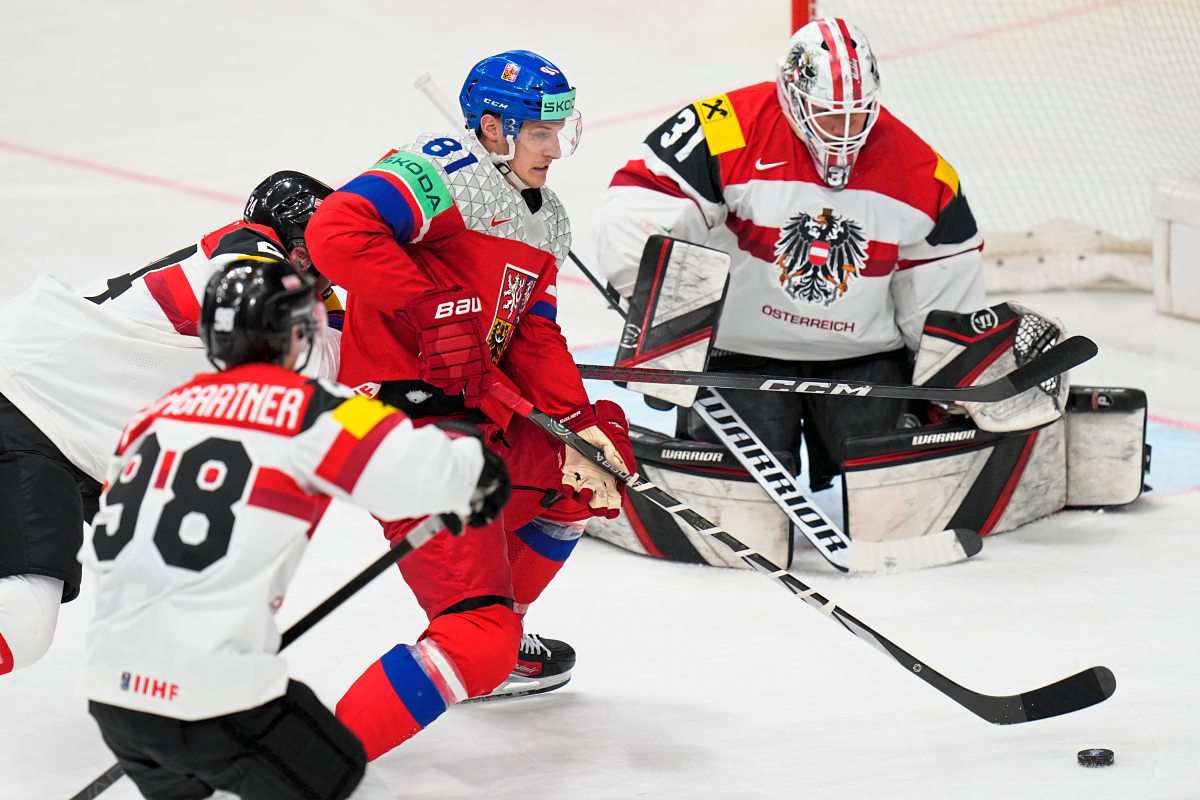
pixel 828 88
pixel 251 308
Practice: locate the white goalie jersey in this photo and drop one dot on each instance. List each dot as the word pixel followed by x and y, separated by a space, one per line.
pixel 816 274
pixel 210 501
pixel 80 367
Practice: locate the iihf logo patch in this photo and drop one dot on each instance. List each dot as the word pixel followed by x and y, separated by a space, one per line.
pixel 819 256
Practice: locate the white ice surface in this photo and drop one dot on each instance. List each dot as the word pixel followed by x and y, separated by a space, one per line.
pixel 129 128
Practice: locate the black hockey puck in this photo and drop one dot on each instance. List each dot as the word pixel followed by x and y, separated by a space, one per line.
pixel 1095 757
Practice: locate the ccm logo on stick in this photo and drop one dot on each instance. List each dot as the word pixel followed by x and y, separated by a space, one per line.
pixel 814 387
pixel 453 308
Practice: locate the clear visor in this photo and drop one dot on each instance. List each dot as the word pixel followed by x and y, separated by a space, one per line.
pixel 304 323
pixel 553 138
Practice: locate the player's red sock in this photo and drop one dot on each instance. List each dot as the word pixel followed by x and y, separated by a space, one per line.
pixel 405 690
pixel 461 655
pixel 537 551
pixel 6 657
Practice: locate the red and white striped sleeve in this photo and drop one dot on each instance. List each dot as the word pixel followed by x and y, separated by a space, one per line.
pixel 673 187
pixel 941 268
pixel 367 453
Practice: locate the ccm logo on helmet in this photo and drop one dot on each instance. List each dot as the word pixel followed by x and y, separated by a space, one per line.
pixel 814 387
pixel 454 308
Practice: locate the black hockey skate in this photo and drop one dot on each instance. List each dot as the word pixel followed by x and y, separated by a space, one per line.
pixel 543 665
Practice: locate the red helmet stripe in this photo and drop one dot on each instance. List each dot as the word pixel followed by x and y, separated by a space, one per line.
pixel 835 61
pixel 852 53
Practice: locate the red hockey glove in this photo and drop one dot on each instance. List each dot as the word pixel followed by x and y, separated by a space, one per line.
pixel 605 426
pixel 453 354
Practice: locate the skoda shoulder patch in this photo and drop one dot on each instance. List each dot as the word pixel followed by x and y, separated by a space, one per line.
pixel 722 130
pixel 422 178
pixel 946 173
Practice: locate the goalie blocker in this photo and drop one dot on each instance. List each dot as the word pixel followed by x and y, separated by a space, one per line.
pixel 1047 449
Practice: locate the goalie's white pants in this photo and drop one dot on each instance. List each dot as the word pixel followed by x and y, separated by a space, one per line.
pixel 28 616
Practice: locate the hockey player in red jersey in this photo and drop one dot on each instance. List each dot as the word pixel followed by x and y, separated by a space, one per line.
pixel 69 388
pixel 210 500
pixel 438 311
pixel 845 228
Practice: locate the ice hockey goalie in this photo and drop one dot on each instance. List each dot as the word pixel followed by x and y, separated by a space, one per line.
pixel 984 467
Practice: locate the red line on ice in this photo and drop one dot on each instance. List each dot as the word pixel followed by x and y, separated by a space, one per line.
pixel 119 172
pixel 1175 423
pixel 604 122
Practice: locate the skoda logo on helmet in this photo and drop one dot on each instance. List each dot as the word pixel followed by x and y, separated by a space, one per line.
pixel 557 106
pixel 983 320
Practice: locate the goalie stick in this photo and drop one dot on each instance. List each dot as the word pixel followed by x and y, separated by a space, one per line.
pixel 1081 690
pixel 935 549
pixel 415 538
pixel 1064 356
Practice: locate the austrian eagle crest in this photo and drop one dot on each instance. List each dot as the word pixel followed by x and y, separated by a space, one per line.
pixel 819 256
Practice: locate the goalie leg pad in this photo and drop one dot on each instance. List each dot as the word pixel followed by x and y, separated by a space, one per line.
pixel 924 480
pixel 708 478
pixel 1107 454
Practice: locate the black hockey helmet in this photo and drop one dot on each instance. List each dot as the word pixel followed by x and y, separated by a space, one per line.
pixel 284 202
pixel 251 306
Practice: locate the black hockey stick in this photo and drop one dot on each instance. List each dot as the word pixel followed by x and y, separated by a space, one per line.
pixel 415 538
pixel 934 549
pixel 610 294
pixel 1083 689
pixel 1066 355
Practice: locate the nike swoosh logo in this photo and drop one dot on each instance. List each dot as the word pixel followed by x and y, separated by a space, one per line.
pixel 759 165
pixel 496 222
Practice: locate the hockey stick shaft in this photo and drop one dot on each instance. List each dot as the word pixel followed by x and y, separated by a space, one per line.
pixel 778 483
pixel 610 294
pixel 1064 356
pixel 415 538
pixel 934 549
pixel 1078 691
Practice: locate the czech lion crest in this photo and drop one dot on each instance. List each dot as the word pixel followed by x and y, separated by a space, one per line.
pixel 819 256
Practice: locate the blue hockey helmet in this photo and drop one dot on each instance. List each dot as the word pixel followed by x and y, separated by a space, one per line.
pixel 520 86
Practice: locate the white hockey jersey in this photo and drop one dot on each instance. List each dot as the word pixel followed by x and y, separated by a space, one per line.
pixel 210 500
pixel 816 274
pixel 80 368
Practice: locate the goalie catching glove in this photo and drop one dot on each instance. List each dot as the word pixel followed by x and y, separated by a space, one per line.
pixel 604 425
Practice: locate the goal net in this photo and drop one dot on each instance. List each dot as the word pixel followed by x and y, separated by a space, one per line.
pixel 1059 115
